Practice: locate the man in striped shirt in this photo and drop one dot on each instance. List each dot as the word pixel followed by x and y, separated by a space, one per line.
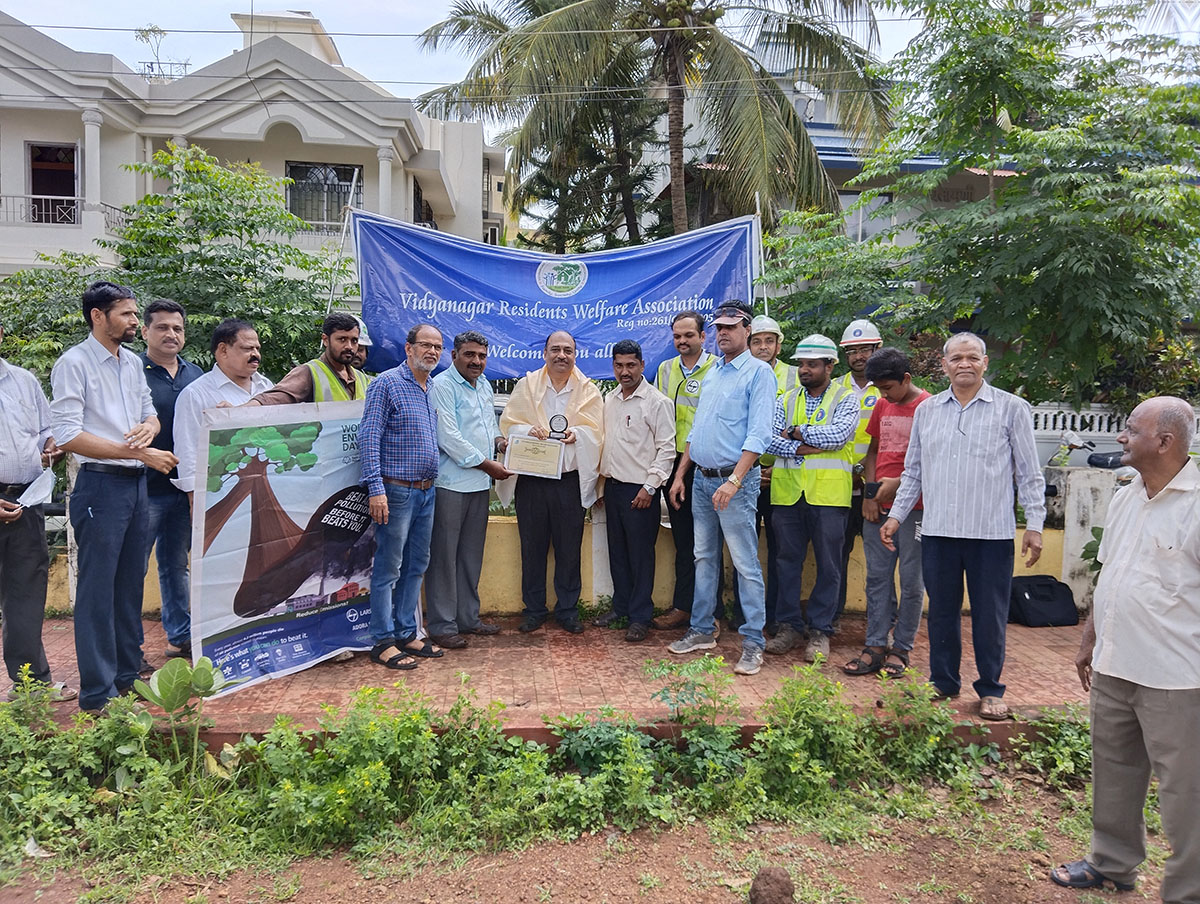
pixel 397 441
pixel 970 446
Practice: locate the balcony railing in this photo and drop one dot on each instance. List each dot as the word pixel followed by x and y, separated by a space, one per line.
pixel 51 209
pixel 114 218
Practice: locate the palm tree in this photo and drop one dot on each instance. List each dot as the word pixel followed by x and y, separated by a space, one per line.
pixel 545 63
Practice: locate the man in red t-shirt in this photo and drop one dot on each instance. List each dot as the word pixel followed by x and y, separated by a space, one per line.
pixel 889 428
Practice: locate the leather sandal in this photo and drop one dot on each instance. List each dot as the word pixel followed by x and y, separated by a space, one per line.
pixel 400 661
pixel 868 662
pixel 1081 874
pixel 994 709
pixel 895 669
pixel 425 651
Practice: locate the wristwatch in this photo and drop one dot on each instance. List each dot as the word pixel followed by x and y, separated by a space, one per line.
pixel 735 480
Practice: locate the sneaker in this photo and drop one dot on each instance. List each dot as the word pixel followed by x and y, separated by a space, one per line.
pixel 672 618
pixel 751 661
pixel 603 621
pixel 691 642
pixel 785 639
pixel 817 643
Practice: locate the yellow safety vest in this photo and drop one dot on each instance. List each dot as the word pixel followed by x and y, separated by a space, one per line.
pixel 866 404
pixel 787 378
pixel 328 388
pixel 684 392
pixel 823 478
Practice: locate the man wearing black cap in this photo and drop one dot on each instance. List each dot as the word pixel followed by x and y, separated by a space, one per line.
pixel 731 430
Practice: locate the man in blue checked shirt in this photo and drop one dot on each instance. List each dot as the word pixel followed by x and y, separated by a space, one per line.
pixel 397 441
pixel 468 436
pixel 731 430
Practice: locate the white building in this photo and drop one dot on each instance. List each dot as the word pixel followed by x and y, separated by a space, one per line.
pixel 70 120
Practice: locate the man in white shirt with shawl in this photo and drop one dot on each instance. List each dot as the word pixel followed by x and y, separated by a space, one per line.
pixel 550 511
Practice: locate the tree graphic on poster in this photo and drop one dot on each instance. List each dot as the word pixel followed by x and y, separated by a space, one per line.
pixel 247 455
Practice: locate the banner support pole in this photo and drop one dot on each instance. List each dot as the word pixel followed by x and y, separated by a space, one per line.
pixel 342 242
pixel 758 251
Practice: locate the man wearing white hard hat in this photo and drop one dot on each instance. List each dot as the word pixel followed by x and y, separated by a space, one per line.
pixel 813 441
pixel 860 340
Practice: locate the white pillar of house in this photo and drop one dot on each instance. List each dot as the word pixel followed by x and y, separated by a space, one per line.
pixel 386 155
pixel 148 157
pixel 179 141
pixel 92 120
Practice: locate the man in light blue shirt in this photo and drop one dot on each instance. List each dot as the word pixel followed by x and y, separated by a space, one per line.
pixel 468 436
pixel 731 430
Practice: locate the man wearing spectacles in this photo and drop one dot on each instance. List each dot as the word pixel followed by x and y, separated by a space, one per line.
pixel 970 446
pixel 397 440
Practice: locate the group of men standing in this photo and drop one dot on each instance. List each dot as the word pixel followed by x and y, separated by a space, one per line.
pixel 133 424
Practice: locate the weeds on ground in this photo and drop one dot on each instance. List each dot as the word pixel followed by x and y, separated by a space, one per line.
pixel 126 797
pixel 1058 747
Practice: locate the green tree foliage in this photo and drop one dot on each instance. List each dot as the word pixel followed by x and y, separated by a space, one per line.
pixel 819 279
pixel 543 62
pixel 230 451
pixel 217 239
pixel 1085 244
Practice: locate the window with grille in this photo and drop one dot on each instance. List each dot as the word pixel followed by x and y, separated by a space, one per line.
pixel 859 224
pixel 319 192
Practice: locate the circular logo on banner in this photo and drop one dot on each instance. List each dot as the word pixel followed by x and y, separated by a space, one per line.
pixel 692 386
pixel 561 279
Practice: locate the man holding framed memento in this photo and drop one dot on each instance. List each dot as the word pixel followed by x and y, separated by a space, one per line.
pixel 558 399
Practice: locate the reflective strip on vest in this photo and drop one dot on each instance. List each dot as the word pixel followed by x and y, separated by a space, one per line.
pixel 824 478
pixel 866 404
pixel 328 388
pixel 672 383
pixel 787 377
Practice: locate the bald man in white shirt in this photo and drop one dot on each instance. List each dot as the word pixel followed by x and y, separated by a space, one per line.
pixel 1140 658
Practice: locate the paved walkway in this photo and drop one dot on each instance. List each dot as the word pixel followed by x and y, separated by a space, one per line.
pixel 551 672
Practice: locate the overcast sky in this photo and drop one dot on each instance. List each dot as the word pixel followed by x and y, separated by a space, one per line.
pixel 373 36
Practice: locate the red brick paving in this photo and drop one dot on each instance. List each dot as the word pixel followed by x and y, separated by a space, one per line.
pixel 551 672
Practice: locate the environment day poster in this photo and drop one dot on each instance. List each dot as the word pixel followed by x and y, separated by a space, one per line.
pixel 282 541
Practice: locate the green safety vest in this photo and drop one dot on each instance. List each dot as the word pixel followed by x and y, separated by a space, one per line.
pixel 328 388
pixel 866 404
pixel 684 392
pixel 824 478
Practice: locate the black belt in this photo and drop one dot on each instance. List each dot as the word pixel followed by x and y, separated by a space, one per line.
pixel 715 472
pixel 13 489
pixel 100 467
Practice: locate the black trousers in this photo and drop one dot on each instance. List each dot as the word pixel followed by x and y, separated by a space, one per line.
pixel 683 532
pixel 24 566
pixel 854 529
pixel 631 537
pixel 549 512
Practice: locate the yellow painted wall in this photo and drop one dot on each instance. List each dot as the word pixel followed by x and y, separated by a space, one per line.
pixel 500 585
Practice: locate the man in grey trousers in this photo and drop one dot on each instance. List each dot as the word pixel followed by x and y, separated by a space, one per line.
pixel 468 436
pixel 1140 659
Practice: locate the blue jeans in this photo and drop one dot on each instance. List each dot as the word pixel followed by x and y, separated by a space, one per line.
pixel 401 557
pixel 737 524
pixel 108 514
pixel 170 535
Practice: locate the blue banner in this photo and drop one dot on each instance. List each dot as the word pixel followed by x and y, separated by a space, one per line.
pixel 409 274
